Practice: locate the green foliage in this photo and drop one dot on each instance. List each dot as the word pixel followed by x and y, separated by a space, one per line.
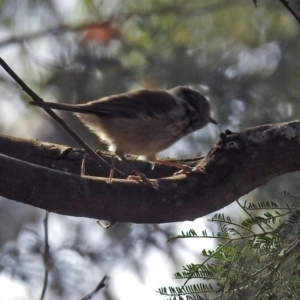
pixel 256 258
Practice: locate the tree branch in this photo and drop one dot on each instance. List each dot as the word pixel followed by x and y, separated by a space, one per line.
pixel 290 9
pixel 237 164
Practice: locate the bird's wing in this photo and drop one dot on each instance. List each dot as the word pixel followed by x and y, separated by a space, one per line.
pixel 130 105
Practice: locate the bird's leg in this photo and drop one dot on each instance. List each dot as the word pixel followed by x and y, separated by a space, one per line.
pixel 140 176
pixel 83 163
pixel 111 173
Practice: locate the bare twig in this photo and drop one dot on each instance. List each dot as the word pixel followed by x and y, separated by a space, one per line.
pixel 101 285
pixel 291 10
pixel 102 162
pixel 28 37
pixel 58 30
pixel 46 256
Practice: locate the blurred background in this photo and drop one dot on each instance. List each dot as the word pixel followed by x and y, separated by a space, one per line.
pixel 245 59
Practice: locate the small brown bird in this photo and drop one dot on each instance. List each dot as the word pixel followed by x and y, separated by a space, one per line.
pixel 143 122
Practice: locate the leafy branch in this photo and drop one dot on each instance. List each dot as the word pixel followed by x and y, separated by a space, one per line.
pixel 255 258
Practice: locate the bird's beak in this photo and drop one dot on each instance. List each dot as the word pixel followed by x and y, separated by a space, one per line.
pixel 211 120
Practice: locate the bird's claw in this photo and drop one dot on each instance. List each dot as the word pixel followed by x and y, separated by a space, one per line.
pixel 187 169
pixel 142 178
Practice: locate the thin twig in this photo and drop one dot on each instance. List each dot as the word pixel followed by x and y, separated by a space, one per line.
pixel 102 162
pixel 291 10
pixel 58 30
pixel 101 285
pixel 46 256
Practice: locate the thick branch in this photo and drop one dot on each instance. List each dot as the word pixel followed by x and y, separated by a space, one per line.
pixel 237 164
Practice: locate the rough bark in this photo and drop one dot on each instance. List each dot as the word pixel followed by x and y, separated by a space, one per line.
pixel 47 176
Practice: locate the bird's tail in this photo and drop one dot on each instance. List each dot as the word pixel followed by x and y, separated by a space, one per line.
pixel 59 106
